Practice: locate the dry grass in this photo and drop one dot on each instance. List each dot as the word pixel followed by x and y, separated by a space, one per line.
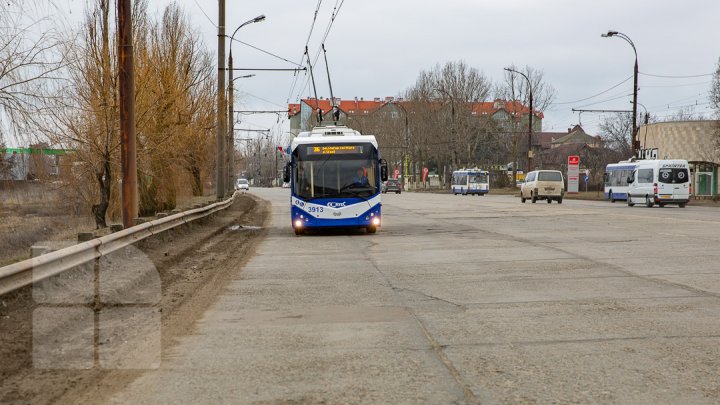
pixel 39 212
pixel 36 212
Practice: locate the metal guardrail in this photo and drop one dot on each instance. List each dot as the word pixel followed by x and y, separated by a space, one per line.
pixel 26 272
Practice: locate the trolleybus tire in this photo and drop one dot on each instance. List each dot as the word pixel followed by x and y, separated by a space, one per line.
pixel 681 205
pixel 371 229
pixel 629 201
pixel 533 198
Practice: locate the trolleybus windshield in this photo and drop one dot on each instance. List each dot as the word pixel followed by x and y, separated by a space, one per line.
pixel 336 171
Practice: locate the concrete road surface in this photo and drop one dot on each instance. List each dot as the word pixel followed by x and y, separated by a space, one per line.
pixel 461 299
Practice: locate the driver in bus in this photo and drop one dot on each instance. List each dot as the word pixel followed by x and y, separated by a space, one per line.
pixel 360 178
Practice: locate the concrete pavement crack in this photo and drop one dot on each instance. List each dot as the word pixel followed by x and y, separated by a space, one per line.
pixel 437 348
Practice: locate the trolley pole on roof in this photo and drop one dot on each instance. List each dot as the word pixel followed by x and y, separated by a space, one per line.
pixel 126 77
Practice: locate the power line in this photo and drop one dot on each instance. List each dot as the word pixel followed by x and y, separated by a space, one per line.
pixel 603 101
pixel 677 85
pixel 593 96
pixel 205 14
pixel 677 77
pixel 266 52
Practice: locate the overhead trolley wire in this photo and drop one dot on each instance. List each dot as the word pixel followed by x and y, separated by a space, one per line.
pixel 307 41
pixel 333 16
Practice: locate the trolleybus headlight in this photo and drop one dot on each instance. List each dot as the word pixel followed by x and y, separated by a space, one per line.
pixel 298 224
pixel 376 221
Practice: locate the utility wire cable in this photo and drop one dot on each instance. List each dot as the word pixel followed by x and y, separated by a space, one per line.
pixel 266 52
pixel 604 101
pixel 595 95
pixel 676 77
pixel 205 14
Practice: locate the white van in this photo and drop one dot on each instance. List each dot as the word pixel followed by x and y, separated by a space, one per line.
pixel 543 185
pixel 659 182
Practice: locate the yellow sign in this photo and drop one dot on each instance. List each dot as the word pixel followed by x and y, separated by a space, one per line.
pixel 334 149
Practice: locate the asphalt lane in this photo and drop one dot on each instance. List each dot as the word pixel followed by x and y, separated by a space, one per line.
pixel 461 299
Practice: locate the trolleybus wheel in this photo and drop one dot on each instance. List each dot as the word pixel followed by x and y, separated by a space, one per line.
pixel 371 229
pixel 629 201
pixel 533 198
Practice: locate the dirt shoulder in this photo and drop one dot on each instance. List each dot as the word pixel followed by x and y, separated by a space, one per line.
pixel 192 263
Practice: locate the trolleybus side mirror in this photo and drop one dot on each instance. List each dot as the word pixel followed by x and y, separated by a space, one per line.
pixel 383 170
pixel 630 179
pixel 286 173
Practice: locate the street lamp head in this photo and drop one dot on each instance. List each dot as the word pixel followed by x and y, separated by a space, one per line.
pixel 259 18
pixel 609 34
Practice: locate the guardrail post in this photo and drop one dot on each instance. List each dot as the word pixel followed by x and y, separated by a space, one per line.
pixel 38 250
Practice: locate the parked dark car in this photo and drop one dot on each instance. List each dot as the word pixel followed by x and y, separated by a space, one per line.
pixel 392 185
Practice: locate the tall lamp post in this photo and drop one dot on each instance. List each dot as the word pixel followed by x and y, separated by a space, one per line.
pixel 231 135
pixel 407 145
pixel 633 142
pixel 530 119
pixel 231 131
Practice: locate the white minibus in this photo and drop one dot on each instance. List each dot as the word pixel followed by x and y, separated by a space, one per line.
pixel 659 182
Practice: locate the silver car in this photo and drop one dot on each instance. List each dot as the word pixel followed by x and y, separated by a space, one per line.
pixel 242 184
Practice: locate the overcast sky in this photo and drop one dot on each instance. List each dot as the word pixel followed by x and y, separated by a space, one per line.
pixel 377 48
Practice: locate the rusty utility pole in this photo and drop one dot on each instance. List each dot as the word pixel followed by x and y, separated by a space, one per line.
pixel 230 147
pixel 127 114
pixel 221 119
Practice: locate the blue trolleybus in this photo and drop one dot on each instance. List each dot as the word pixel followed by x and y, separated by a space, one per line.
pixel 615 179
pixel 470 181
pixel 335 175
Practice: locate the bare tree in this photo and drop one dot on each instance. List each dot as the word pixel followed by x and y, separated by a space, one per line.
pixel 29 61
pixel 616 130
pixel 174 114
pixel 715 90
pixel 443 99
pixel 515 89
